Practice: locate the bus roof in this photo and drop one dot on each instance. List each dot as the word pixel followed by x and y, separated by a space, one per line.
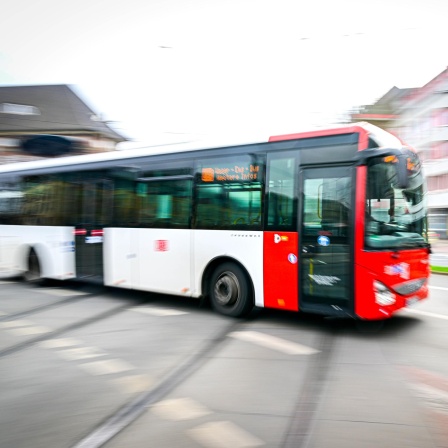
pixel 382 138
pixel 366 130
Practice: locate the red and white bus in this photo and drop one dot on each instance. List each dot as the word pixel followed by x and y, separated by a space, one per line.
pixel 331 222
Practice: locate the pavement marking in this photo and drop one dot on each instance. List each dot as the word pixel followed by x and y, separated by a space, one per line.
pixel 133 384
pixel 274 343
pixel 106 367
pixel 435 399
pixel 161 312
pixel 16 323
pixel 438 287
pixel 74 354
pixel 426 313
pixel 60 292
pixel 59 343
pixel 179 409
pixel 26 331
pixel 223 435
pixel 432 379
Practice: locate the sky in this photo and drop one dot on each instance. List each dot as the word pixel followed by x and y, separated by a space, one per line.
pixel 163 71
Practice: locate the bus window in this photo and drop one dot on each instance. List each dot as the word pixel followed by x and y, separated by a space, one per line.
pixel 326 206
pixel 395 217
pixel 46 201
pixel 11 202
pixel 124 203
pixel 90 197
pixel 164 203
pixel 228 207
pixel 211 211
pixel 229 193
pixel 281 211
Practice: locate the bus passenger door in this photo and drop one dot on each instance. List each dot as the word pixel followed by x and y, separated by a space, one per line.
pixel 94 211
pixel 326 220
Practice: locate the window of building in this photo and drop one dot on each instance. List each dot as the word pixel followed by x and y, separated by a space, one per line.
pixel 437 182
pixel 18 109
pixel 439 150
pixel 440 117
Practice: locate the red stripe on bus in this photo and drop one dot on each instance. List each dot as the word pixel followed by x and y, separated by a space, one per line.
pixel 363 135
pixel 280 270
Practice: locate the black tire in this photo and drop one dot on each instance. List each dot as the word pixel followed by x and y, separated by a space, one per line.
pixel 231 291
pixel 33 273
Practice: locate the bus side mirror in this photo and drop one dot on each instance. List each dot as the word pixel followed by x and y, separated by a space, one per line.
pixel 402 160
pixel 402 171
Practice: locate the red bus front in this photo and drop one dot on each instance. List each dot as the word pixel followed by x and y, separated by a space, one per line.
pixel 391 249
pixel 361 247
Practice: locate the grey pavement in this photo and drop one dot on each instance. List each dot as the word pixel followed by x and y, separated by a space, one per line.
pixel 439 255
pixel 439 246
pixel 366 402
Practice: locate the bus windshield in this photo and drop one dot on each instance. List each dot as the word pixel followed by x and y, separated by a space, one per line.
pixel 395 217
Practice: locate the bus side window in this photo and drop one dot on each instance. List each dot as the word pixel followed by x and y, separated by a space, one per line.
pixel 281 206
pixel 229 193
pixel 45 201
pixel 165 203
pixel 245 205
pixel 125 203
pixel 210 212
pixel 228 207
pixel 11 202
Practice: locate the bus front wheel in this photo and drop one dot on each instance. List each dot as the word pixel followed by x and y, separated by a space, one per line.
pixel 32 274
pixel 231 291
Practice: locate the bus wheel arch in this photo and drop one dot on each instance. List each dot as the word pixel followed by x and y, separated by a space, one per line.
pixel 228 287
pixel 33 266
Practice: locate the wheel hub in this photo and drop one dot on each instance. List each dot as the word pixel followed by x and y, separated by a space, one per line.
pixel 227 289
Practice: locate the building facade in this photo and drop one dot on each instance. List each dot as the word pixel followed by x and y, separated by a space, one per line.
pixel 49 121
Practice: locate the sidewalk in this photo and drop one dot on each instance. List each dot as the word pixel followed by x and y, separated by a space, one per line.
pixel 439 256
pixel 439 246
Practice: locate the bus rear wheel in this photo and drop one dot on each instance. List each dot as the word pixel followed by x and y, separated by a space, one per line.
pixel 32 274
pixel 231 291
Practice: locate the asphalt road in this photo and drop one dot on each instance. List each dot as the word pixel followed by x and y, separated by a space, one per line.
pixel 84 366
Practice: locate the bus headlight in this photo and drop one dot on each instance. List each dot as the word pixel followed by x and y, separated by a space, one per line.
pixel 383 295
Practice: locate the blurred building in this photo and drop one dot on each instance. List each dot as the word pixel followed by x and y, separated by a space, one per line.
pixel 49 121
pixel 419 116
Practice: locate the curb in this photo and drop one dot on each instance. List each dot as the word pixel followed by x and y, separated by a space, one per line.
pixel 438 272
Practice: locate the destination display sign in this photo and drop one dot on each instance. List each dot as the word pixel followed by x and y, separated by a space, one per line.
pixel 232 173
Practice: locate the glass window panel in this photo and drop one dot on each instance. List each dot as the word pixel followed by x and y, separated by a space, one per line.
pixel 229 193
pixel 327 206
pixel 280 190
pixel 11 202
pixel 164 203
